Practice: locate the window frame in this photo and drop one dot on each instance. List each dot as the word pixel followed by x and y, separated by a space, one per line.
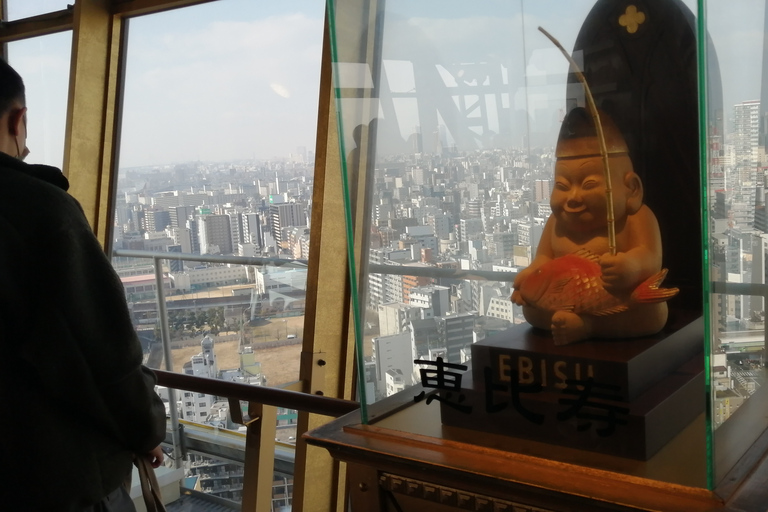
pixel 92 136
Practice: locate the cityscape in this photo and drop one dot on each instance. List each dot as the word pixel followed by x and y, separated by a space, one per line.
pixel 447 211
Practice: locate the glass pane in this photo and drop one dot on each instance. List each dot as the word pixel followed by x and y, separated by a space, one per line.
pixel 736 139
pixel 43 62
pixel 452 120
pixel 20 9
pixel 254 324
pixel 216 164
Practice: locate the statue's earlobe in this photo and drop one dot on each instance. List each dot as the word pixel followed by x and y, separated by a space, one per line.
pixel 634 192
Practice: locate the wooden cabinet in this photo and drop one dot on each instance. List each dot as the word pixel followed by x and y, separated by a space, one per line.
pixel 406 460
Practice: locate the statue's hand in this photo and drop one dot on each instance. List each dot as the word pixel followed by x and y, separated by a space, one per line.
pixel 620 272
pixel 517 298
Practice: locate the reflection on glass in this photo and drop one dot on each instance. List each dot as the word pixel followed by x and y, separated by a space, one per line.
pixel 224 479
pixel 458 130
pixel 425 326
pixel 216 477
pixel 43 62
pixel 737 137
pixel 450 116
pixel 737 256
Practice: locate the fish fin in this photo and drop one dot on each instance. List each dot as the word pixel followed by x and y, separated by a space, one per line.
pixel 557 286
pixel 649 292
pixel 567 307
pixel 612 311
pixel 587 255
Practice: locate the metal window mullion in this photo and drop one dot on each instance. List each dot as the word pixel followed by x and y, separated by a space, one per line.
pixel 165 336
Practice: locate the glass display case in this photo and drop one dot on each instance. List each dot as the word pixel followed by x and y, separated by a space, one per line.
pixel 457 123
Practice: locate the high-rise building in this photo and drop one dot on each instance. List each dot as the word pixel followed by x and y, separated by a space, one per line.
pixel 393 353
pixel 235 226
pixel 763 110
pixel 529 235
pixel 194 239
pixel 166 199
pixel 746 130
pixel 180 214
pixel 251 223
pixel 122 215
pixel 424 235
pixel 214 230
pixel 474 208
pixel 283 215
pixel 442 225
pixel 156 219
pixel 758 272
pixel 434 298
pixel 419 175
pixel 470 229
pixel 503 244
pixel 542 189
pixel 456 332
pixel 394 317
pixel 761 215
pixel 175 266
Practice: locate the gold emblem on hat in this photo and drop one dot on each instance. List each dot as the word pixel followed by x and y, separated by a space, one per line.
pixel 632 19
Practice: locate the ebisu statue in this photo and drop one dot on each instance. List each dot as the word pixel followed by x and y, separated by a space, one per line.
pixel 597 270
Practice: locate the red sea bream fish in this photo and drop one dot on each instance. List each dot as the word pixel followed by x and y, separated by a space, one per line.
pixel 572 283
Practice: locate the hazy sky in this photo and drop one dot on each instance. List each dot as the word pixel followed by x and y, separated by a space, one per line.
pixel 238 79
pixel 226 80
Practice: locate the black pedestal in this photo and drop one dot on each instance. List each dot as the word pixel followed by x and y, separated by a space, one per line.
pixel 626 398
pixel 632 364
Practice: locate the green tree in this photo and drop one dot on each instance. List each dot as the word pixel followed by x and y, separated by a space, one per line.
pixel 191 320
pixel 216 319
pixel 202 319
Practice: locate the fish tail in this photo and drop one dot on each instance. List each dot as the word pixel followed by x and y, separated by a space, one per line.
pixel 649 292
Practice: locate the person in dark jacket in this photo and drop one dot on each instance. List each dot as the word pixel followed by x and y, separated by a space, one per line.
pixel 77 403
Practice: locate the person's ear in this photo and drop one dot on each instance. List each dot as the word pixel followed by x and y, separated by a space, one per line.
pixel 16 121
pixel 634 189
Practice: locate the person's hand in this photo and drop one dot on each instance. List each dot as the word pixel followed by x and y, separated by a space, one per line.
pixel 155 456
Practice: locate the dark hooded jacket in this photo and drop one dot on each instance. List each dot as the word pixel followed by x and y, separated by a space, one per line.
pixel 77 402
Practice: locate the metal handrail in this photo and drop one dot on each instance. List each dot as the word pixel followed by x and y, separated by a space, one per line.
pixel 326 406
pixel 212 258
pixel 437 272
pixel 404 270
pixel 157 258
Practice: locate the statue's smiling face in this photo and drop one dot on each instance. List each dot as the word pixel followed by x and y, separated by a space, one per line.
pixel 578 198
